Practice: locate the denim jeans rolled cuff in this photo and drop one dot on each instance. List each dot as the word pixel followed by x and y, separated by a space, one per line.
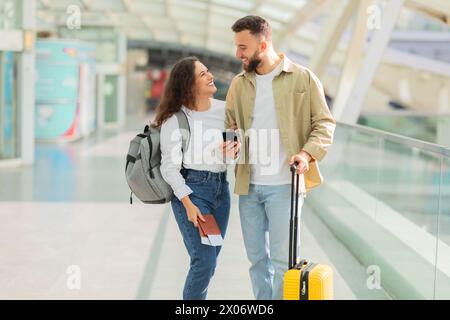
pixel 211 195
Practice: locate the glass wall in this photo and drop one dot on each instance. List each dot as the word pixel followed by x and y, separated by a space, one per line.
pixel 108 42
pixel 10 19
pixel 387 197
pixel 110 98
pixel 8 106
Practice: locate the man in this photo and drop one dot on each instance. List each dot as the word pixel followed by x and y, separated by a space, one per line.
pixel 279 106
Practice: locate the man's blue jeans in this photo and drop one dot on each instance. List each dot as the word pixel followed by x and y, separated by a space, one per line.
pixel 211 195
pixel 265 214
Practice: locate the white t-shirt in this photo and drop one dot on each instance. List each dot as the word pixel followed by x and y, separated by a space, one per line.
pixel 204 148
pixel 268 159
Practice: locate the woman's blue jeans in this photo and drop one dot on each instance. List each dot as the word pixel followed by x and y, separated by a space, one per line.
pixel 211 195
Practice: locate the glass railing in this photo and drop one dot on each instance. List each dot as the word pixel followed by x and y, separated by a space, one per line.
pixel 429 128
pixel 387 199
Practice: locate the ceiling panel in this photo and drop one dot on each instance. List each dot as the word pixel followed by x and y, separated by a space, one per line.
pixel 275 12
pixel 247 5
pixel 64 4
pixel 286 5
pixel 221 21
pixel 97 19
pixel 106 5
pixel 197 5
pixel 190 15
pixel 87 18
pixel 228 12
pixel 148 7
pixel 130 20
pixel 159 22
pixel 191 21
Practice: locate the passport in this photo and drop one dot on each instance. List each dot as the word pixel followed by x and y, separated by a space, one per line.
pixel 209 231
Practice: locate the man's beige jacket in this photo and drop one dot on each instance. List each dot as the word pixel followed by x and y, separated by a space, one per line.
pixel 303 116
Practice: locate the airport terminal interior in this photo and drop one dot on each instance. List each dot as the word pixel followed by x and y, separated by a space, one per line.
pixel 79 79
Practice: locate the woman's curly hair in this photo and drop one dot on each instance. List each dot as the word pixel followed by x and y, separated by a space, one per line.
pixel 179 90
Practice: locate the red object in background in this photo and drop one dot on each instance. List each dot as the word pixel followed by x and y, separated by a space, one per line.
pixel 159 78
pixel 73 130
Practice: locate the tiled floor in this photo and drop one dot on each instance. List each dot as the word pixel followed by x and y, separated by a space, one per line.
pixel 67 231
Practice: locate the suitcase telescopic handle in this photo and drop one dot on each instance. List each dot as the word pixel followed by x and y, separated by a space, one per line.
pixel 293 221
pixel 294 166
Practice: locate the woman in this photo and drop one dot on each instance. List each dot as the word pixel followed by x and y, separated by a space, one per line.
pixel 197 175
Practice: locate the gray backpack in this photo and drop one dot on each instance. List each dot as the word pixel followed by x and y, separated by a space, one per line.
pixel 142 169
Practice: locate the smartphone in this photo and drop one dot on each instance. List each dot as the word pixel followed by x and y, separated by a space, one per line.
pixel 229 136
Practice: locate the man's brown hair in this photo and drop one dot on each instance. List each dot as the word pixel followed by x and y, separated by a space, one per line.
pixel 255 24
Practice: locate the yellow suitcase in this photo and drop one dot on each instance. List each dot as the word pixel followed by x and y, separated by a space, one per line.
pixel 304 280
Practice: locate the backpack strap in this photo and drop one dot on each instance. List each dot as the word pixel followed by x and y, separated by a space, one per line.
pixel 183 124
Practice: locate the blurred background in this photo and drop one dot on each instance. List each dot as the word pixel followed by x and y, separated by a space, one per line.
pixel 78 79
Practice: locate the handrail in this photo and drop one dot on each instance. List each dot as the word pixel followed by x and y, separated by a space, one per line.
pixel 411 142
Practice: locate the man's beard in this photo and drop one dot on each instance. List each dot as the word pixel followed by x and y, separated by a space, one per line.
pixel 253 63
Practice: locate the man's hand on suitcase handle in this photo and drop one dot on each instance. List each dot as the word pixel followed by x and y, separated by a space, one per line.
pixel 300 161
